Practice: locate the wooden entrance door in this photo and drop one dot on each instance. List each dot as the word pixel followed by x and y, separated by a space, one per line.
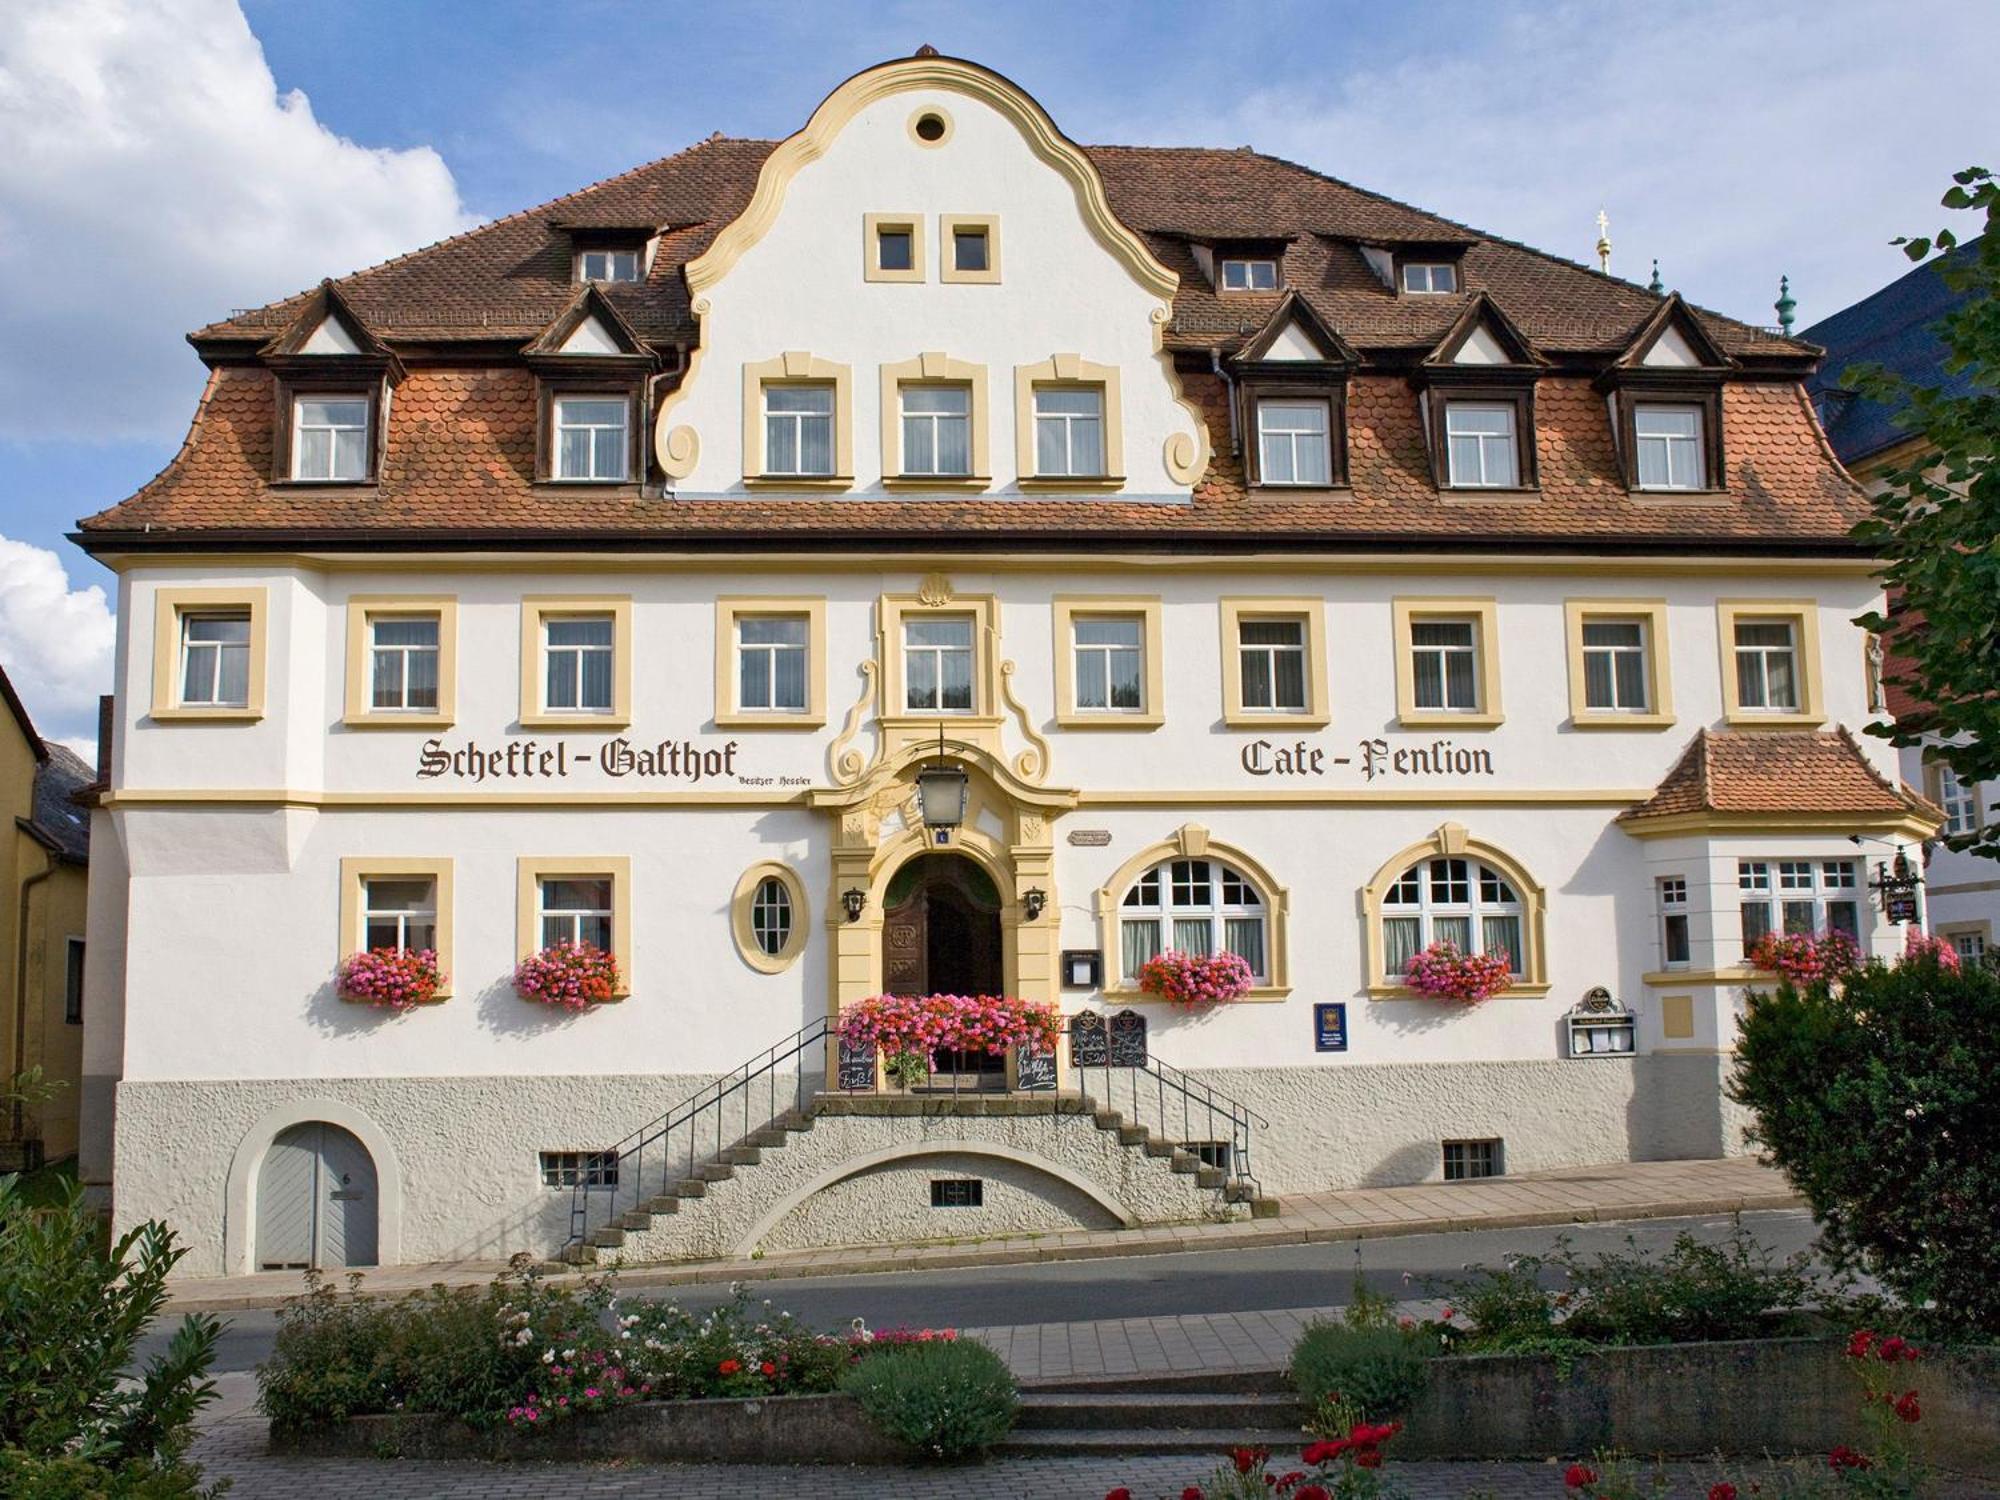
pixel 316 1200
pixel 941 936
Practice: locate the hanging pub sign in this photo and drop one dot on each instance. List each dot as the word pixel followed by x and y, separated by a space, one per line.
pixel 1128 1040
pixel 1089 1042
pixel 1034 1069
pixel 1896 885
pixel 1330 1026
pixel 857 1066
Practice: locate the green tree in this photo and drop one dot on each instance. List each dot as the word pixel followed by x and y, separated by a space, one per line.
pixel 1936 523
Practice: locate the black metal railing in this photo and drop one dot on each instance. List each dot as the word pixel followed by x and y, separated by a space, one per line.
pixel 1180 1108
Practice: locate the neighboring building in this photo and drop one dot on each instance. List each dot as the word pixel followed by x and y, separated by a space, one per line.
pixel 43 875
pixel 1285 569
pixel 1896 329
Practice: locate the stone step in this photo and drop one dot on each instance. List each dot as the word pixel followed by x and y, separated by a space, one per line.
pixel 1133 1135
pixel 741 1156
pixel 771 1138
pixel 1108 1119
pixel 1283 1442
pixel 1269 1382
pixel 1164 1149
pixel 690 1187
pixel 610 1237
pixel 714 1171
pixel 1210 1177
pixel 637 1220
pixel 665 1204
pixel 1265 1208
pixel 1179 1411
pixel 1186 1162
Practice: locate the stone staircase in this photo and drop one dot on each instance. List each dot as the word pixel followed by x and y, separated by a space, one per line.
pixel 1203 1414
pixel 733 1198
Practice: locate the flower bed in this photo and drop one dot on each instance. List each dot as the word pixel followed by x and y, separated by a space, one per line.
pixel 390 978
pixel 907 1029
pixel 1443 973
pixel 570 976
pixel 1196 979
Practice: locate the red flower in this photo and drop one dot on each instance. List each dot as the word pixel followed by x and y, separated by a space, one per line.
pixel 1121 1493
pixel 1193 1492
pixel 768 1368
pixel 1576 1476
pixel 1369 1458
pixel 729 1366
pixel 1324 1452
pixel 1844 1457
pixel 1892 1349
pixel 1286 1483
pixel 1306 1492
pixel 1365 1436
pixel 1247 1459
pixel 1859 1345
pixel 1906 1407
pixel 1446 1314
pixel 1722 1491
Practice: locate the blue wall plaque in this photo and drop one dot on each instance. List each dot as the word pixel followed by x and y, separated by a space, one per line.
pixel 1330 1026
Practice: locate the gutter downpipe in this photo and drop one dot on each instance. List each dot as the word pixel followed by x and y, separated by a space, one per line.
pixel 1229 384
pixel 19 1108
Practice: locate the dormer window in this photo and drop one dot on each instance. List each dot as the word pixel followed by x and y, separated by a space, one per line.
pixel 1245 274
pixel 330 438
pixel 1428 277
pixel 591 441
pixel 608 265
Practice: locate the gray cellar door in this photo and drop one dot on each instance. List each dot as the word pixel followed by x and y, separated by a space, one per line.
pixel 316 1201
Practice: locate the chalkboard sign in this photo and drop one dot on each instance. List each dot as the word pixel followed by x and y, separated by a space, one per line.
pixel 857 1066
pixel 1330 1026
pixel 1128 1040
pixel 1034 1069
pixel 1089 1043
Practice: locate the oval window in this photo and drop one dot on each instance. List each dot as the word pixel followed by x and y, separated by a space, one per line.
pixel 930 127
pixel 771 915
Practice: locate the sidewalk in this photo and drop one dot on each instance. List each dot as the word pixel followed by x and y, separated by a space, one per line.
pixel 1621 1190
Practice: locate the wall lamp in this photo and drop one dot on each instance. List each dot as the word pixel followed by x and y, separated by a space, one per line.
pixel 1033 899
pixel 854 899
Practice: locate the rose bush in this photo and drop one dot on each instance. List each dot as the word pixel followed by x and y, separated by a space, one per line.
pixel 1442 972
pixel 1195 979
pixel 569 975
pixel 391 978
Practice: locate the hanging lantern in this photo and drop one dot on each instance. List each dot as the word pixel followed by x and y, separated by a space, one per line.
pixel 942 790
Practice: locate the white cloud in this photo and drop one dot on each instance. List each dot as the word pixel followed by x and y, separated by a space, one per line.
pixel 153 177
pixel 55 642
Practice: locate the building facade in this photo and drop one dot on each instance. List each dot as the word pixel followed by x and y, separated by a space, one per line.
pixel 1284 569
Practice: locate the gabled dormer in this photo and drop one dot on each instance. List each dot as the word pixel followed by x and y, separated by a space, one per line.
pixel 1419 268
pixel 1665 396
pixel 590 370
pixel 1291 381
pixel 332 379
pixel 1477 386
pixel 1241 263
pixel 610 252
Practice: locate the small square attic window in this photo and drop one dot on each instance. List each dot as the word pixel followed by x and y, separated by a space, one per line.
pixel 1248 274
pixel 1427 276
pixel 608 265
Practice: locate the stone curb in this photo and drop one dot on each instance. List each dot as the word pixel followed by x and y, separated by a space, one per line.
pixel 1253 1234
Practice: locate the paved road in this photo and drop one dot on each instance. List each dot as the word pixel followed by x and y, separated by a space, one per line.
pixel 1219 1281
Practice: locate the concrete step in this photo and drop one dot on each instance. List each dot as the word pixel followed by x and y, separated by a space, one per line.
pixel 1179 1411
pixel 1268 1382
pixel 665 1204
pixel 1133 1135
pixel 1108 1119
pixel 741 1156
pixel 1164 1149
pixel 1210 1177
pixel 714 1171
pixel 1283 1442
pixel 636 1220
pixel 608 1238
pixel 771 1138
pixel 690 1187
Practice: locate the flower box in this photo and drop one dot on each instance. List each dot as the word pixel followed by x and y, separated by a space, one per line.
pixel 1196 979
pixel 397 979
pixel 569 976
pixel 908 1029
pixel 1443 973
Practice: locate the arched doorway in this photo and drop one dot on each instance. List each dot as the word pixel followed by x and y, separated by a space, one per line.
pixel 941 935
pixel 317 1201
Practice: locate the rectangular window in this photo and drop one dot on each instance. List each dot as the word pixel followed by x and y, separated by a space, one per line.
pixel 771 663
pixel 1464 1160
pixel 215 660
pixel 1294 444
pixel 1249 275
pixel 937 664
pixel 1272 665
pixel 968 1192
pixel 895 247
pixel 1675 948
pixel 798 430
pixel 592 437
pixel 591 1169
pixel 1430 276
pixel 1480 446
pixel 578 663
pixel 403 663
pixel 970 250
pixel 1444 665
pixel 1970 946
pixel 1069 431
pixel 937 429
pixel 1767 665
pixel 1615 671
pixel 608 265
pixel 1669 441
pixel 574 909
pixel 1959 801
pixel 399 912
pixel 330 437
pixel 1217 1154
pixel 1799 896
pixel 1110 663
pixel 73 983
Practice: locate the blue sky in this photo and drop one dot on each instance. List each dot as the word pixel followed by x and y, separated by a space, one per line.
pixel 176 158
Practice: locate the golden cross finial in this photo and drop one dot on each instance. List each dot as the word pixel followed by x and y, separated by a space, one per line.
pixel 1604 242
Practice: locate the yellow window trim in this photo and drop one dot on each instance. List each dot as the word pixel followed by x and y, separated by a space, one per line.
pixel 531 871
pixel 1484 613
pixel 890 612
pixel 872 226
pixel 729 609
pixel 1068 608
pixel 948 227
pixel 356 871
pixel 536 608
pixel 1067 370
pixel 1235 609
pixel 1451 841
pixel 170 607
pixel 796 367
pixel 935 369
pixel 363 608
pixel 1192 841
pixel 739 917
pixel 1804 614
pixel 1659 683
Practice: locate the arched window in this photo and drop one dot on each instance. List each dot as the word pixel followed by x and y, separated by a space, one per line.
pixel 1465 902
pixel 1194 906
pixel 771 915
pixel 767 916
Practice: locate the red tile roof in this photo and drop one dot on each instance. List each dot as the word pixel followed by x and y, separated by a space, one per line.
pixel 1777 771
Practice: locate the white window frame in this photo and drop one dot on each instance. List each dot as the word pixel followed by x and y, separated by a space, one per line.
pixel 612 263
pixel 1781 886
pixel 1293 438
pixel 797 420
pixel 574 917
pixel 771 651
pixel 1444 654
pixel 1069 422
pixel 1430 272
pixel 766 913
pixel 1508 442
pixel 1271 653
pixel 404 655
pixel 938 655
pixel 1483 885
pixel 1685 458
pixel 935 421
pixel 560 425
pixel 571 1169
pixel 580 652
pixel 1675 916
pixel 1161 896
pixel 300 427
pixel 1247 273
pixel 214 652
pixel 1960 800
pixel 1106 652
pixel 1613 655
pixel 1762 656
pixel 401 916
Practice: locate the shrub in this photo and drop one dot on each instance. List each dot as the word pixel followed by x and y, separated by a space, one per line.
pixel 1373 1370
pixel 945 1399
pixel 737 1349
pixel 73 1308
pixel 1879 1103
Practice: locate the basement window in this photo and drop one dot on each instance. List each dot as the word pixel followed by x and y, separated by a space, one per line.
pixel 1465 1160
pixel 591 1169
pixel 957 1192
pixel 1210 1153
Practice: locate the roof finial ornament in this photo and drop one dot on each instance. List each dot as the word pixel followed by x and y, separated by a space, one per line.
pixel 927 50
pixel 1785 306
pixel 1656 286
pixel 1603 242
